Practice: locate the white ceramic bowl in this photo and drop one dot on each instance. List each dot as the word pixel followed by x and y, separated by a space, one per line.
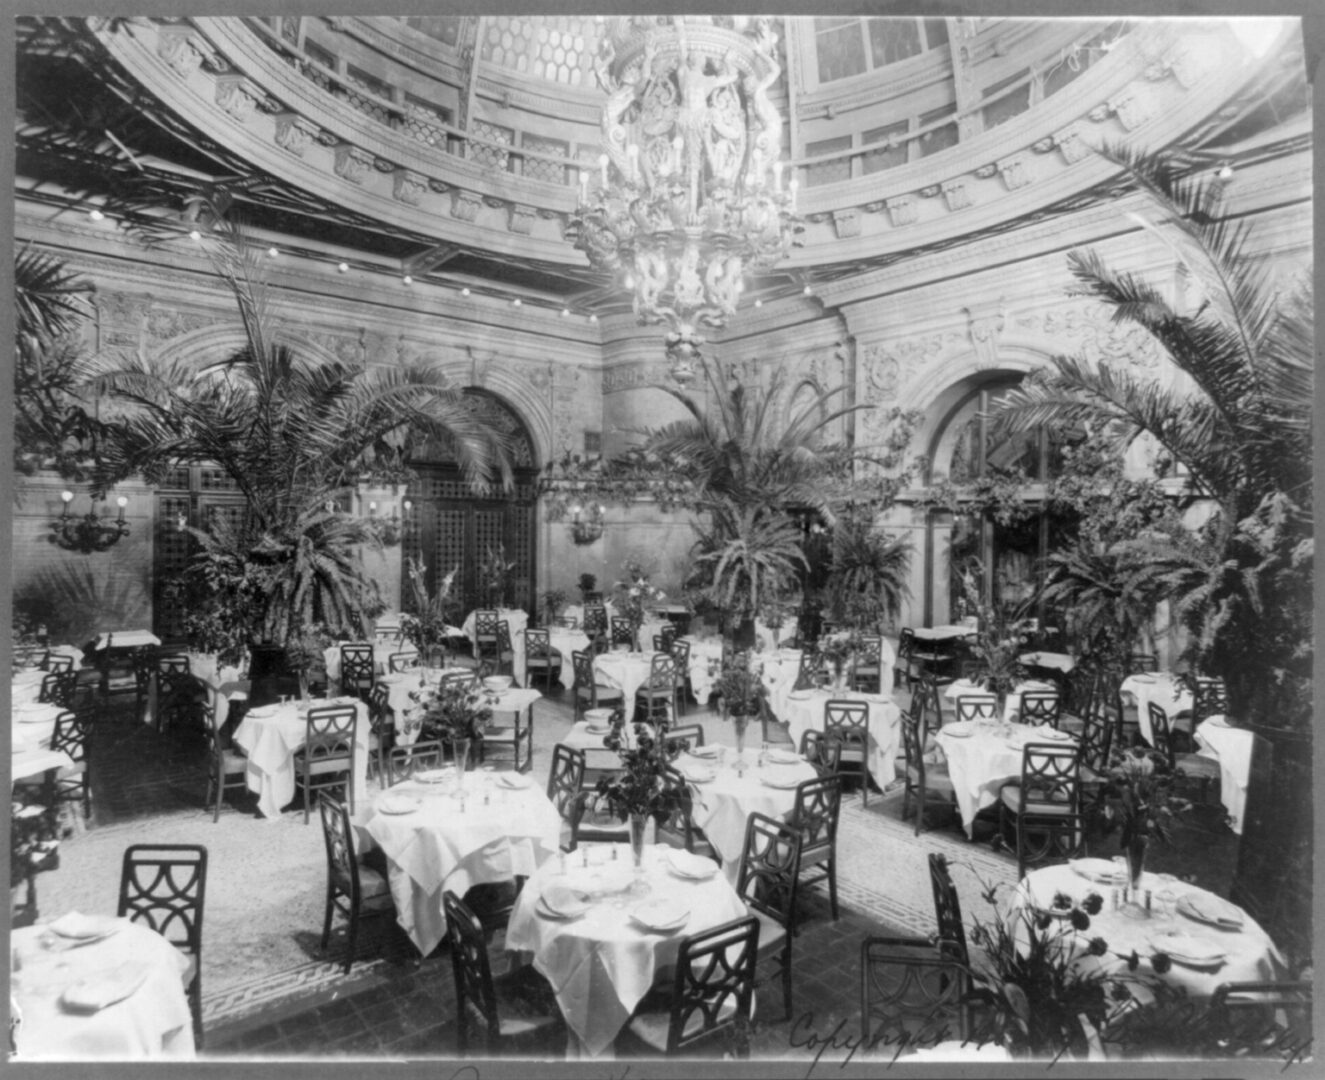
pixel 599 718
pixel 498 683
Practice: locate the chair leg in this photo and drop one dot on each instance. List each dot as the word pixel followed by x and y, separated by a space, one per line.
pixel 330 912
pixel 306 797
pixel 353 939
pixel 786 984
pixel 832 883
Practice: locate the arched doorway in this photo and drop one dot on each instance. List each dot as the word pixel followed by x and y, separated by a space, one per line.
pixel 452 527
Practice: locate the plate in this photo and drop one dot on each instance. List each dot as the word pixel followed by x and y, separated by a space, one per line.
pixel 432 776
pixel 396 804
pixel 781 785
pixel 692 867
pixel 1097 870
pixel 264 711
pixel 800 695
pixel 703 751
pixel 1052 735
pixel 660 915
pixel 78 927
pixel 1189 949
pixel 955 731
pixel 559 901
pixel 100 991
pixel 1210 910
pixel 784 757
pixel 598 729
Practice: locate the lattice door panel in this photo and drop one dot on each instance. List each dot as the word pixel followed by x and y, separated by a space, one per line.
pixel 174 548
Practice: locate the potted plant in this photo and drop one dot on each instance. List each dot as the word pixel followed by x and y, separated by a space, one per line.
pixel 588 584
pixel 868 578
pixel 838 649
pixel 426 626
pixel 998 642
pixel 455 713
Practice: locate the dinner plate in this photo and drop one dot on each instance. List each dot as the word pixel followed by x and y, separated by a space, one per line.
pixel 76 926
pixel 697 775
pixel 1098 870
pixel 800 695
pixel 1051 735
pixel 432 776
pixel 1210 910
pixel 661 915
pixel 703 751
pixel 784 757
pixel 1191 950
pixel 559 901
pixel 396 804
pixel 264 711
pixel 98 992
pixel 781 784
pixel 690 866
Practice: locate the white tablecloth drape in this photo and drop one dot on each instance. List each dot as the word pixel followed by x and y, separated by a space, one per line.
pixel 25 688
pixel 270 736
pixel 1232 747
pixel 627 671
pixel 565 641
pixel 495 833
pixel 1011 708
pixel 33 725
pixel 151 1022
pixel 805 711
pixel 602 964
pixel 514 618
pixel 126 639
pixel 1163 689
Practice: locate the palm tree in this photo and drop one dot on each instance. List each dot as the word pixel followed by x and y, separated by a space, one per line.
pixel 292 433
pixel 1242 582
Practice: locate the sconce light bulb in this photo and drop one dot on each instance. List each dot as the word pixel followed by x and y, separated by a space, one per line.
pixel 517 302
pixel 593 318
pixel 372 507
pixel 67 496
pixel 759 303
pixel 564 312
pixel 95 214
pixel 407 280
pixel 122 501
pixel 194 234
pixel 272 252
pixel 344 268
pixel 807 291
pixel 1226 173
pixel 464 291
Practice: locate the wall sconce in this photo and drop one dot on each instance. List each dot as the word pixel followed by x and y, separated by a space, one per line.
pixel 387 530
pixel 586 524
pixel 89 533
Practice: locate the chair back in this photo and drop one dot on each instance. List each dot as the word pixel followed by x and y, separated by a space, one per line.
pixel 330 733
pixel 1050 778
pixel 927 702
pixel 356 668
pixel 668 635
pixel 595 620
pixel 823 753
pixel 58 662
pixel 1141 663
pixel 947 907
pixel 807 675
pixel 405 760
pixel 680 651
pixel 906 643
pixel 913 742
pixel 537 643
pixel 1257 1019
pixel 386 635
pixel 565 779
pixel 485 624
pixel 770 868
pixel 817 808
pixel 662 674
pixel 623 631
pixel 143 662
pixel 59 688
pixel 869 652
pixel 976 705
pixel 1096 740
pixel 504 645
pixel 338 835
pixel 1159 734
pixel 848 722
pixel 686 736
pixel 379 704
pixel 919 994
pixel 469 963
pixel 459 678
pixel 71 732
pixel 566 622
pixel 403 661
pixel 1209 698
pixel 582 666
pixel 165 886
pixel 1040 707
pixel 713 984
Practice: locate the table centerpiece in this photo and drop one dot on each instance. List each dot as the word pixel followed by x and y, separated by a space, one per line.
pixel 426 627
pixel 634 593
pixel 456 713
pixel 839 651
pixel 740 683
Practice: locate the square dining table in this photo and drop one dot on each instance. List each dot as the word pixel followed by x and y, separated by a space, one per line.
pixel 438 833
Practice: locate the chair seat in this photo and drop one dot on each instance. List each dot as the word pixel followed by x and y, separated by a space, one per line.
pixel 609 693
pixel 543 661
pixel 372 884
pixel 233 762
pixel 813 856
pixel 936 777
pixel 320 767
pixel 772 933
pixel 1011 797
pixel 652 1027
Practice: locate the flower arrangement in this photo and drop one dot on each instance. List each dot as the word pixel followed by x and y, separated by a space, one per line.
pixel 839 648
pixel 1138 799
pixel 494 574
pixel 305 650
pixel 553 602
pixel 741 684
pixel 639 787
pixel 634 592
pixel 426 627
pixel 998 642
pixel 1054 990
pixel 455 710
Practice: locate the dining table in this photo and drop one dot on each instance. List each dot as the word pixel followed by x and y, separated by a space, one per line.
pixel 728 788
pixel 440 831
pixel 1049 661
pixel 270 735
pixel 600 933
pixel 625 670
pixel 1209 939
pixel 805 712
pixel 516 619
pixel 704 666
pixel 1011 706
pixel 31 732
pixel 98 987
pixel 25 686
pixel 983 755
pixel 1162 688
pixel 566 640
pixel 1231 746
pixel 402 688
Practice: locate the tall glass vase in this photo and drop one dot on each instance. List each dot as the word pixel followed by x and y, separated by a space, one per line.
pixel 639 825
pixel 739 724
pixel 460 752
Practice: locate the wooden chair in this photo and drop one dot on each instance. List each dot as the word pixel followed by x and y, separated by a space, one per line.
pixel 1209 698
pixel 927 702
pixel 815 813
pixel 1040 707
pixel 589 694
pixel 922 777
pixel 591 824
pixel 387 635
pixel 659 690
pixel 687 735
pixel 485 633
pixel 405 760
pixel 503 661
pixel 595 626
pixel 623 633
pixel 923 660
pixel 327 757
pixel 975 705
pixel 868 671
pixel 353 889
pixel 541 657
pixel 1260 1019
pixel 165 887
pixel 823 753
pixel 513 733
pixel 497 1003
pixel 176 689
pixel 767 883
pixel 1196 767
pixel 1042 812
pixel 226 767
pixel 382 730
pixel 680 651
pixel 403 661
pixel 565 781
pixel 1095 740
pixel 910 992
pixel 679 829
pixel 356 670
pixel 711 992
pixel 849 723
pixel 59 688
pixel 124 671
pixel 947 908
pixel 57 662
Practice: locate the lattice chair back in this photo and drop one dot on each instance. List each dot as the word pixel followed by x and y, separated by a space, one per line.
pixel 485 628
pixel 770 868
pixel 330 732
pixel 1209 698
pixel 342 863
pixel 623 632
pixel 913 742
pixel 565 779
pixel 595 620
pixel 403 661
pixel 686 736
pixel 848 721
pixel 59 688
pixel 1159 734
pixel 459 678
pixel 404 761
pixel 823 753
pixel 1096 740
pixel 816 811
pixel 910 990
pixel 1040 707
pixel 680 651
pixel 976 705
pixel 1050 777
pixel 582 665
pixel 356 669
pixel 143 662
pixel 927 702
pixel 472 970
pixel 57 662
pixel 807 675
pixel 1141 663
pixel 713 985
pixel 947 906
pixel 1046 805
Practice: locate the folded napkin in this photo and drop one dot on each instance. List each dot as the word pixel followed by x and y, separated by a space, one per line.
pixel 1187 948
pixel 99 991
pixel 660 914
pixel 1208 908
pixel 703 751
pixel 781 783
pixel 80 927
pixel 564 902
pixel 687 864
pixel 431 776
pixel 784 757
pixel 397 804
pixel 1098 870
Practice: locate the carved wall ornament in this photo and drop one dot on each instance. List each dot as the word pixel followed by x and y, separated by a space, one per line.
pixel 1014 172
pixel 294 133
pixel 383 166
pixel 175 45
pixel 408 186
pixel 1043 146
pixel 465 205
pixel 955 194
pixel 984 330
pixel 1134 106
pixel 902 210
pixel 352 164
pixel 441 187
pixel 930 191
pixel 1072 144
pixel 883 372
pixel 1188 65
pixel 521 219
pixel 327 138
pixel 984 172
pixel 847 222
pixel 237 96
pixel 1100 113
pixel 875 206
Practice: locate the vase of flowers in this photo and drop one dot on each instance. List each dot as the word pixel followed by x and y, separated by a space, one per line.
pixel 494 574
pixel 304 650
pixel 741 686
pixel 639 824
pixel 455 713
pixel 838 650
pixel 1138 799
pixel 426 626
pixel 634 593
pixel 998 640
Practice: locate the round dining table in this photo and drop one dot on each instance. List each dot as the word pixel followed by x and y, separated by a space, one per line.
pixel 1160 688
pixel 626 671
pixel 727 790
pixel 983 755
pixel 1011 707
pixel 600 935
pixel 438 833
pixel 566 640
pixel 805 712
pixel 119 996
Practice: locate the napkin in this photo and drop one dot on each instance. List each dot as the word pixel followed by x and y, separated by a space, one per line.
pixel 99 991
pixel 515 781
pixel 783 757
pixel 1187 948
pixel 782 783
pixel 430 776
pixel 396 804
pixel 1098 870
pixel 1208 908
pixel 660 914
pixel 703 751
pixel 564 902
pixel 687 864
pixel 80 927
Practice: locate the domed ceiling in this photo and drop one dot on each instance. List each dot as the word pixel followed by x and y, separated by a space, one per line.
pixel 451 148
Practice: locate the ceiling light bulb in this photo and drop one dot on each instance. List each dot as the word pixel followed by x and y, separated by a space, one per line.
pixel 95 214
pixel 517 302
pixel 807 290
pixel 759 303
pixel 564 312
pixel 344 268
pixel 272 252
pixel 593 318
pixel 464 292
pixel 407 280
pixel 194 234
pixel 1226 173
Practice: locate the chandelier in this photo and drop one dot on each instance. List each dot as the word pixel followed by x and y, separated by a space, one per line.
pixel 689 195
pixel 91 532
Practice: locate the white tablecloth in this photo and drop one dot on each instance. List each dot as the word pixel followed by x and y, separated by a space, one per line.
pixel 1011 708
pixel 1251 955
pixel 805 712
pixel 1231 746
pixel 501 833
pixel 152 1022
pixel 1054 661
pixel 126 639
pixel 627 671
pixel 33 726
pixel 943 633
pixel 565 641
pixel 722 805
pixel 986 758
pixel 601 964
pixel 270 741
pixel 25 688
pixel 514 618
pixel 1163 689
